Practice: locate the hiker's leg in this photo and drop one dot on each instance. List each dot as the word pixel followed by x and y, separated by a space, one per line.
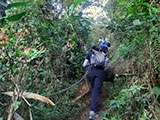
pixel 91 77
pixel 96 89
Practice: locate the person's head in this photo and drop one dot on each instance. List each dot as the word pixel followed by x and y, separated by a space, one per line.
pixel 95 48
pixel 108 44
pixel 100 38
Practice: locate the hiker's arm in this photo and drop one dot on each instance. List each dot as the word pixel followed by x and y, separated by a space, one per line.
pixel 86 63
pixel 106 62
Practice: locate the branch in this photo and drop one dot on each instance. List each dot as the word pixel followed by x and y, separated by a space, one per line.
pixel 11 111
pixel 30 114
pixel 26 101
pixel 30 95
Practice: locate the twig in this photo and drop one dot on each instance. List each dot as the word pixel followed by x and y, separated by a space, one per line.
pixel 1 103
pixel 125 74
pixel 30 114
pixel 39 64
pixel 150 7
pixel 15 93
pixel 17 41
pixel 26 101
pixel 14 83
pixel 11 111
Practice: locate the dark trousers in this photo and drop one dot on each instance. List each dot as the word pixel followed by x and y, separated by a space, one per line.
pixel 95 77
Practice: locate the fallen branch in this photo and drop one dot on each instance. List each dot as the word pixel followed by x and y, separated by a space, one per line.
pixel 30 95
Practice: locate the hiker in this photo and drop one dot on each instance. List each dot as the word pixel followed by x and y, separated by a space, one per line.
pixel 95 77
pixel 104 45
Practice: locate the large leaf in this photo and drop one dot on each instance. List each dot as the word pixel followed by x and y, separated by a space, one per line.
pixel 32 96
pixel 16 17
pixel 16 105
pixel 18 4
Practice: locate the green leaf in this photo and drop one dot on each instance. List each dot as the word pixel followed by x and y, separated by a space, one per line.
pixel 129 16
pixel 16 71
pixel 3 4
pixel 137 22
pixel 16 17
pixel 1 118
pixel 46 41
pixel 3 25
pixel 16 105
pixel 142 118
pixel 112 102
pixel 154 29
pixel 156 91
pixel 2 17
pixel 105 118
pixel 78 2
pixel 141 14
pixel 145 3
pixel 18 4
pixel 154 10
pixel 35 54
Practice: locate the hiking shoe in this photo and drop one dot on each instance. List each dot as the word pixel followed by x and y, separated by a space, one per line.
pixel 93 115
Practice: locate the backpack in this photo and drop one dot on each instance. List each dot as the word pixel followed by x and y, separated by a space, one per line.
pixel 97 59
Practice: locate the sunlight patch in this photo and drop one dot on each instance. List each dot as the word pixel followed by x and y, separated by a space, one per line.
pixel 95 11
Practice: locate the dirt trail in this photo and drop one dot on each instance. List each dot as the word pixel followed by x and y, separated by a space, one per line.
pixel 100 108
pixel 102 102
pixel 83 92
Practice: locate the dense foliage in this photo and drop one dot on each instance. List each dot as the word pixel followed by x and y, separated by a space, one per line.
pixel 42 54
pixel 136 30
pixel 42 51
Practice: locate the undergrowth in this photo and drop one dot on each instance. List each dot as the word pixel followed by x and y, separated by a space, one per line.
pixel 41 53
pixel 135 27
